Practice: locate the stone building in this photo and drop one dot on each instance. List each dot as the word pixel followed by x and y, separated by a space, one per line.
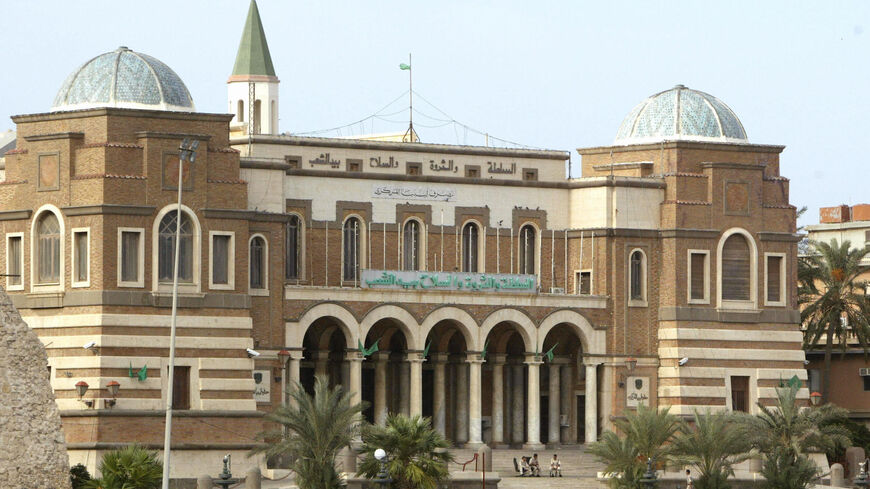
pixel 512 305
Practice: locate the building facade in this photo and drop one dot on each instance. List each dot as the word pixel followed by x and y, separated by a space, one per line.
pixel 513 306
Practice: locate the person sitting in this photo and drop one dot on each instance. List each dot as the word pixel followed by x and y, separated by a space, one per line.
pixel 555 466
pixel 535 466
pixel 524 465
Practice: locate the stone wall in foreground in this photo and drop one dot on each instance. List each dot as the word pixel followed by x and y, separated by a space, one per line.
pixel 33 450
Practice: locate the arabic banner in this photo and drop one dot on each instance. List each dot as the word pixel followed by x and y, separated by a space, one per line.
pixel 441 281
pixel 413 193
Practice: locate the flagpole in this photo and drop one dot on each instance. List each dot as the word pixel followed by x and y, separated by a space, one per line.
pixel 411 99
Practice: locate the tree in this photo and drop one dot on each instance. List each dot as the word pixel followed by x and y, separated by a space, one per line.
pixel 417 453
pixel 835 304
pixel 787 432
pixel 79 476
pixel 714 446
pixel 312 431
pixel 132 467
pixel 647 434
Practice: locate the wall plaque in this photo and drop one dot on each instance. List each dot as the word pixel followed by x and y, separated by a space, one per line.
pixel 413 193
pixel 636 391
pixel 263 386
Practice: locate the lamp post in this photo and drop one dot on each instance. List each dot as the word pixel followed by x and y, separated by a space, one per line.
pixel 113 388
pixel 815 399
pixel 862 481
pixel 649 479
pixel 186 152
pixel 383 477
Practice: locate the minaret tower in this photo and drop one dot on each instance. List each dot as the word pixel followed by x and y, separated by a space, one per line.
pixel 252 89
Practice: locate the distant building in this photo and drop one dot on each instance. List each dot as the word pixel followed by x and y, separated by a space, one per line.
pixel 664 275
pixel 850 370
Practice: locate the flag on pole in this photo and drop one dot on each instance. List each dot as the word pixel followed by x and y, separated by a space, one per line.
pixel 143 372
pixel 366 352
pixel 403 66
pixel 130 373
pixel 549 354
pixel 483 353
pixel 426 350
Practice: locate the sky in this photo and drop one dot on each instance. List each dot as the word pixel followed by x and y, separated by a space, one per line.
pixel 547 74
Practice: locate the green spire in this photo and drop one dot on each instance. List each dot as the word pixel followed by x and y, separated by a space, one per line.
pixel 253 57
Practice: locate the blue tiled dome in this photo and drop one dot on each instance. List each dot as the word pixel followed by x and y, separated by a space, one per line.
pixel 124 78
pixel 681 114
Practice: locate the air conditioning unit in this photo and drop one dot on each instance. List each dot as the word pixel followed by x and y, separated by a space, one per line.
pixel 864 372
pixel 557 290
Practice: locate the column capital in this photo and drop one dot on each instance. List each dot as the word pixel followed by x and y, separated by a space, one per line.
pixel 354 356
pixel 438 357
pixel 496 358
pixel 473 357
pixel 533 359
pixel 415 357
pixel 592 362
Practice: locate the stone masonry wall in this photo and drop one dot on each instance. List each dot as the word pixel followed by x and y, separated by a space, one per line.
pixel 33 449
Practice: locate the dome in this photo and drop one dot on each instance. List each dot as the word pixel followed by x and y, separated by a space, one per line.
pixel 124 78
pixel 681 114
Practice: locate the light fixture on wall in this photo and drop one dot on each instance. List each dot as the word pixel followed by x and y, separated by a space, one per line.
pixel 815 399
pixel 630 364
pixel 81 389
pixel 113 386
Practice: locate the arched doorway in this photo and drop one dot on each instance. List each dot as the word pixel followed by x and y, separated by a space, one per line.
pixel 562 384
pixel 445 381
pixel 386 375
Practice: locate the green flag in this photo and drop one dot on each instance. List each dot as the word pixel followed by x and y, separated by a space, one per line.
pixel 549 354
pixel 143 372
pixel 366 352
pixel 483 353
pixel 130 372
pixel 794 382
pixel 403 66
pixel 426 350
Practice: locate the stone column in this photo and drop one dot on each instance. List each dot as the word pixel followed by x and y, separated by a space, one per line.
pixel 321 363
pixel 415 361
pixel 533 420
pixel 439 399
pixel 404 383
pixel 461 425
pixel 380 358
pixel 517 404
pixel 497 360
pixel 475 429
pixel 294 362
pixel 354 373
pixel 591 415
pixel 554 405
pixel 569 433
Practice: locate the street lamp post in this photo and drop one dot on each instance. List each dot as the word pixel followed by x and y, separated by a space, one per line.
pixel 862 481
pixel 186 152
pixel 383 477
pixel 649 479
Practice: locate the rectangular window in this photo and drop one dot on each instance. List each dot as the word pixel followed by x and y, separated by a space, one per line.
pixel 181 388
pixel 14 261
pixel 220 259
pixel 698 277
pixel 584 283
pixel 774 278
pixel 81 263
pixel 740 393
pixel 866 383
pixel 131 257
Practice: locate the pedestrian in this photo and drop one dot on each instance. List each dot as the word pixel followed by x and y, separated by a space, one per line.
pixel 555 466
pixel 535 465
pixel 690 484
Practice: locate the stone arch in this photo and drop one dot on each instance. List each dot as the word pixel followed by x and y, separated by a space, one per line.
pixel 593 341
pixel 524 325
pixel 296 332
pixel 464 322
pixel 406 322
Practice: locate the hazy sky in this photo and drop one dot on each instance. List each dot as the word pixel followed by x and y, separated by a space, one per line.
pixel 558 75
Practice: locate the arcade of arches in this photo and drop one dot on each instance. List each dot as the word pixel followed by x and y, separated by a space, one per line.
pixel 488 381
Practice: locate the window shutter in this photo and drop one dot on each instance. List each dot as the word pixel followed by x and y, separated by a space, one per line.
pixel 698 276
pixel 736 269
pixel 774 287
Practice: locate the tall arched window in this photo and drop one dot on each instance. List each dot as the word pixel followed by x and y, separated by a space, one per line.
pixel 166 248
pixel 350 249
pixel 258 263
pixel 636 276
pixel 411 245
pixel 48 249
pixel 527 249
pixel 241 112
pixel 736 269
pixel 292 242
pixel 469 247
pixel 256 120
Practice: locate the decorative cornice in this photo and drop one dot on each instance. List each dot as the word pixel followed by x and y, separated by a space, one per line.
pixel 778 206
pixel 234 182
pixel 91 176
pixel 15 215
pixel 13 182
pixel 116 111
pixel 111 209
pixel 54 136
pixel 113 145
pixel 736 147
pixel 683 174
pixel 17 151
pixel 687 202
pixel 171 135
pixel 727 165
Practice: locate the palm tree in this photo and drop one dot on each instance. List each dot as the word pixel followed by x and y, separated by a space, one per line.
pixel 787 432
pixel 313 429
pixel 836 306
pixel 647 434
pixel 132 467
pixel 714 446
pixel 417 455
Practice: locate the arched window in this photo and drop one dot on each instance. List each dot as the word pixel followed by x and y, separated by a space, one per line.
pixel 48 249
pixel 469 247
pixel 736 269
pixel 166 248
pixel 258 263
pixel 411 245
pixel 292 241
pixel 637 276
pixel 256 120
pixel 350 249
pixel 241 112
pixel 527 249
